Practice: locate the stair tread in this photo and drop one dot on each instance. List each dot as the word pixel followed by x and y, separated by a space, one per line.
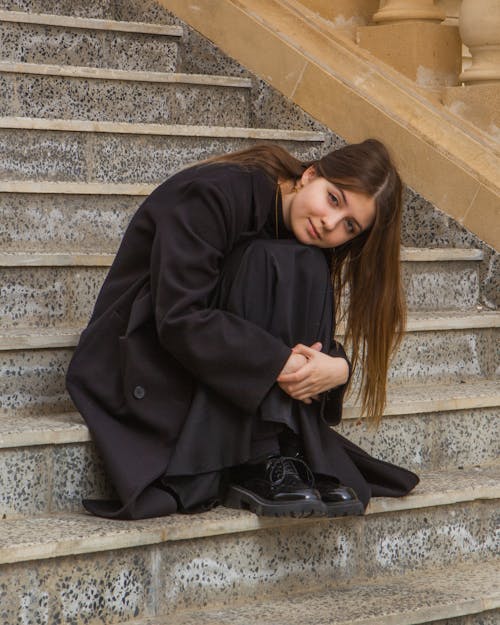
pixel 74 71
pixel 22 430
pixel 184 130
pixel 65 335
pixel 400 600
pixel 68 21
pixel 66 534
pixel 91 258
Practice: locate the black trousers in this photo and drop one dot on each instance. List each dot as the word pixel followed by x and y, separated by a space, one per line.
pixel 285 288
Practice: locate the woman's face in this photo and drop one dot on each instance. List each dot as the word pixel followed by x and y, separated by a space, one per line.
pixel 322 214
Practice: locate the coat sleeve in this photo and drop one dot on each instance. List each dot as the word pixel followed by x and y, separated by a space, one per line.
pixel 235 357
pixel 332 400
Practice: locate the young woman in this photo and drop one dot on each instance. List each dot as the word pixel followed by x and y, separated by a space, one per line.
pixel 209 371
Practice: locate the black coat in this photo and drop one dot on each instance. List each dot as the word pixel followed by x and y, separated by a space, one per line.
pixel 153 334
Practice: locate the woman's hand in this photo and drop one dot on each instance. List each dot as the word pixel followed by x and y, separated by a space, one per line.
pixel 320 372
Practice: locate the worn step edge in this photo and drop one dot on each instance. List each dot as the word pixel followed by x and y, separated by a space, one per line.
pixel 47 338
pixel 410 599
pixel 90 259
pixel 120 74
pixel 18 430
pixel 43 537
pixel 178 130
pixel 88 23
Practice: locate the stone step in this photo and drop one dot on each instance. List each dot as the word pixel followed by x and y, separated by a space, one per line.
pixel 88 93
pixel 35 337
pixel 139 10
pixel 48 463
pixel 468 351
pixel 467 595
pixel 68 216
pixel 64 40
pixel 222 557
pixel 77 153
pixel 48 290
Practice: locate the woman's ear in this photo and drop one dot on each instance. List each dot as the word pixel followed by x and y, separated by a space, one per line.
pixel 309 174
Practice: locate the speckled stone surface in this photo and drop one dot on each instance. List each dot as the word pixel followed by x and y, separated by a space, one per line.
pixel 139 11
pixel 431 440
pixel 24 481
pixel 426 226
pixel 78 473
pixel 441 286
pixel 426 539
pixel 125 101
pixel 467 440
pixel 428 442
pixel 41 537
pixel 446 355
pixel 34 380
pixel 115 158
pixel 101 588
pixel 227 570
pixel 122 158
pixel 405 600
pixel 28 155
pixel 45 296
pixel 33 43
pixel 257 565
pixel 49 222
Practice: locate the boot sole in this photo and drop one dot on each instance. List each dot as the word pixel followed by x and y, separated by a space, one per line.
pixel 242 499
pixel 348 508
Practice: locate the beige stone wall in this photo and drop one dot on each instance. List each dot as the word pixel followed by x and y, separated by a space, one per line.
pixel 343 87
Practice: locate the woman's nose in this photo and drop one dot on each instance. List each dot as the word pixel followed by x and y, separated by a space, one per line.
pixel 330 220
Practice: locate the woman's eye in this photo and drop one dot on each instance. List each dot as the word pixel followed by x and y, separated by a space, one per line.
pixel 333 199
pixel 349 225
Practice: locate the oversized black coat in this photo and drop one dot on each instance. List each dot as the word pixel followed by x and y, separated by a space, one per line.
pixel 154 334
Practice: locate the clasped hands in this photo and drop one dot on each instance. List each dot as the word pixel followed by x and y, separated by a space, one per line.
pixel 309 372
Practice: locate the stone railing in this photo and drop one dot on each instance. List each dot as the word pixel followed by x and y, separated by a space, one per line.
pixel 423 38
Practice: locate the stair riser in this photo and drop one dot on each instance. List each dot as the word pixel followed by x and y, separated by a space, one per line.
pixel 437 440
pixel 33 43
pixel 33 381
pixel 139 11
pixel 443 356
pixel 225 569
pixel 441 286
pixel 124 101
pixel 54 478
pixel 110 158
pixel 64 223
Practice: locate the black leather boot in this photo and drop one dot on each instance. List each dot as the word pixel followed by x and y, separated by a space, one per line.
pixel 279 486
pixel 340 500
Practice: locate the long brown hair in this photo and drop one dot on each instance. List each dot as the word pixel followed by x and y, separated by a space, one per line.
pixel 366 269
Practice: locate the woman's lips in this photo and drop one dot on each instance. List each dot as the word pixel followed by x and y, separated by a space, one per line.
pixel 312 230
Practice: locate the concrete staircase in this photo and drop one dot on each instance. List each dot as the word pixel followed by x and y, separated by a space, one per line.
pixel 95 110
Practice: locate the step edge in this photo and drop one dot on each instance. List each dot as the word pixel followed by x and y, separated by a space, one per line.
pixel 180 130
pixel 90 23
pixel 142 535
pixel 12 259
pixel 74 71
pixel 18 338
pixel 416 616
pixel 436 253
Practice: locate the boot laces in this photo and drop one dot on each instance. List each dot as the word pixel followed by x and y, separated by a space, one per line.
pixel 283 466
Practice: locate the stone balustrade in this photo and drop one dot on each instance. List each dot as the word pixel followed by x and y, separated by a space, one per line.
pixel 480 32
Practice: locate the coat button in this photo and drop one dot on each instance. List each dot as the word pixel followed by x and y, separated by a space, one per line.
pixel 139 392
